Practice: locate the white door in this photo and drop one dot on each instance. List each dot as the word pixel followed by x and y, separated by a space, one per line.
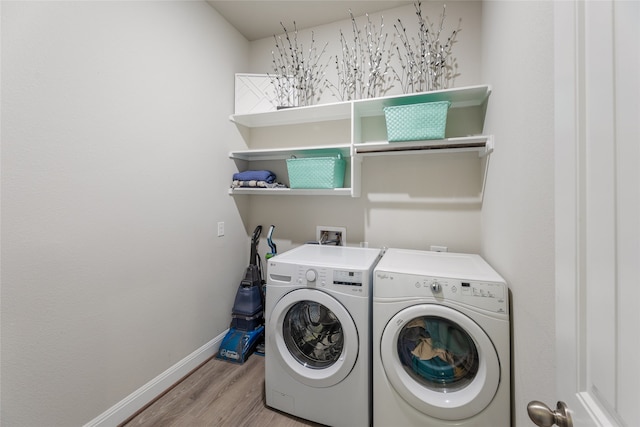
pixel 314 337
pixel 598 211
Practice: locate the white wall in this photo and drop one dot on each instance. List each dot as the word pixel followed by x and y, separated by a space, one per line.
pixel 518 210
pixel 114 173
pixel 432 186
pixel 466 48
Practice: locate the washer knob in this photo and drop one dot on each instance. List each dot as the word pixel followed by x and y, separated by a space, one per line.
pixel 311 276
pixel 436 288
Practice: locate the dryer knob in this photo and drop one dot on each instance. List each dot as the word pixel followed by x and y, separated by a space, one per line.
pixel 311 276
pixel 436 288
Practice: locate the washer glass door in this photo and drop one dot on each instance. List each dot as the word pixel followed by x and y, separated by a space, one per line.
pixel 316 340
pixel 440 361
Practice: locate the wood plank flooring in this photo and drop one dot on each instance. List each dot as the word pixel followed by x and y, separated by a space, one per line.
pixel 220 394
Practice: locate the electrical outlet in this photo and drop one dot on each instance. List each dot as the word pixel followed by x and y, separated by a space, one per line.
pixel 438 248
pixel 220 229
pixel 328 235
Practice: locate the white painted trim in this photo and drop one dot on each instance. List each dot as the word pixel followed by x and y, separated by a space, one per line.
pixel 137 400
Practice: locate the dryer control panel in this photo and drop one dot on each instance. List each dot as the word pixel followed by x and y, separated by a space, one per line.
pixel 491 296
pixel 470 289
pixel 482 290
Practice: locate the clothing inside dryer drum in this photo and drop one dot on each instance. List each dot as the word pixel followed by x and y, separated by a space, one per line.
pixel 438 353
pixel 313 334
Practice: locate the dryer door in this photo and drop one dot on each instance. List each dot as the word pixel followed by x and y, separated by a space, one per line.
pixel 314 337
pixel 440 361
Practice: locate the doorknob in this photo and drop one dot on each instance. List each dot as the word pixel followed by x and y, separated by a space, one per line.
pixel 543 416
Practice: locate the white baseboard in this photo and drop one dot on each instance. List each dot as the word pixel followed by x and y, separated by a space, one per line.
pixel 137 400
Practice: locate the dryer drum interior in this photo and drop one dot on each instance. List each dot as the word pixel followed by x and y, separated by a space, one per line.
pixel 450 391
pixel 438 353
pixel 313 334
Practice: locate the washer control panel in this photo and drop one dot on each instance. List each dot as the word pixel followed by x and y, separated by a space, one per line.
pixel 347 278
pixel 351 281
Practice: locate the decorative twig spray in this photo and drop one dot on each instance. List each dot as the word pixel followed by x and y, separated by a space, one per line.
pixel 363 69
pixel 298 79
pixel 426 63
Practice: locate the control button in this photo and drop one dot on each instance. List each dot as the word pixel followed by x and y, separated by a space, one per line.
pixel 454 289
pixel 436 287
pixel 311 276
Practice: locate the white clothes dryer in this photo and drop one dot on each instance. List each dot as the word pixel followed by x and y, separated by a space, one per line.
pixel 318 337
pixel 441 334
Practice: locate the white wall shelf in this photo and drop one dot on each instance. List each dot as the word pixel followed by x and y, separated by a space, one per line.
pixel 297 115
pixel 287 153
pixel 291 191
pixel 471 96
pixel 483 144
pixel 275 136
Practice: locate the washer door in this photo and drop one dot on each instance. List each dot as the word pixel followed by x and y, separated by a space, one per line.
pixel 314 337
pixel 440 361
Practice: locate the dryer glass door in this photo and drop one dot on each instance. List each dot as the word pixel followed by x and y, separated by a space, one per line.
pixel 438 353
pixel 315 338
pixel 440 361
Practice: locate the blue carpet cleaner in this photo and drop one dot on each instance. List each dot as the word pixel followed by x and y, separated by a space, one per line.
pixel 247 316
pixel 272 246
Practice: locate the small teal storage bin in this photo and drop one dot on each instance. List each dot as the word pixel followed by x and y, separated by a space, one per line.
pixel 416 122
pixel 316 172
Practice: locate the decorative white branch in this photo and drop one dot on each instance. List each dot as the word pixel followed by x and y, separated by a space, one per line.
pixel 363 70
pixel 298 79
pixel 426 63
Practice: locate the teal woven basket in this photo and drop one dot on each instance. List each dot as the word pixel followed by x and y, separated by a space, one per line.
pixel 316 172
pixel 416 122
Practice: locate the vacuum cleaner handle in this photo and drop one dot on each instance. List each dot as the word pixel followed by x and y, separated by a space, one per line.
pixel 256 235
pixel 255 239
pixel 270 242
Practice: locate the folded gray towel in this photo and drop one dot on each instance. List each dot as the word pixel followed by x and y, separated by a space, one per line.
pixel 258 175
pixel 256 184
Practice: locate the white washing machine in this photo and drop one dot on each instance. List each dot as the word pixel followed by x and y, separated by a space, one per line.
pixel 441 346
pixel 318 335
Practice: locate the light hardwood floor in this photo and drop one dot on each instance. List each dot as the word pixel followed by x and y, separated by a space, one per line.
pixel 218 393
